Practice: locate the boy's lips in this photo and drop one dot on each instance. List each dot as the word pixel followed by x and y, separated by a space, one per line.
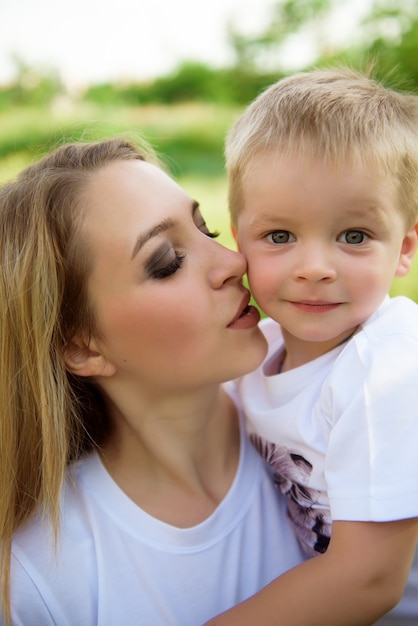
pixel 314 306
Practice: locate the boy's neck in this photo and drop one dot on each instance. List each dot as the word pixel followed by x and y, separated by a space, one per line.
pixel 299 352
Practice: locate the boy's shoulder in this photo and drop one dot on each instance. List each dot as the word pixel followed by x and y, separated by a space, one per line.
pixel 395 317
pixel 387 341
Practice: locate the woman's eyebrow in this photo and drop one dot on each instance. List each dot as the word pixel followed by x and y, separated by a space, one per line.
pixel 161 227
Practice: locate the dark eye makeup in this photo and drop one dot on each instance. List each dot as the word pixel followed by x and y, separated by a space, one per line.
pixel 164 262
pixel 204 229
pixel 170 268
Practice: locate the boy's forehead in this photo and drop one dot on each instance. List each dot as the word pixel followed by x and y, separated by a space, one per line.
pixel 306 159
pixel 275 179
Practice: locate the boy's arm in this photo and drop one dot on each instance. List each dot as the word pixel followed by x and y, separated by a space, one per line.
pixel 360 578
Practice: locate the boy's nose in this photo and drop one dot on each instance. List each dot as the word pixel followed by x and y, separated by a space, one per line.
pixel 315 264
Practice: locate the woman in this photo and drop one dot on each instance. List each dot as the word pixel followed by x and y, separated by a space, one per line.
pixel 129 494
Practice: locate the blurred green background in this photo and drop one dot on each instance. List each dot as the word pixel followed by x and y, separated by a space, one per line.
pixel 186 114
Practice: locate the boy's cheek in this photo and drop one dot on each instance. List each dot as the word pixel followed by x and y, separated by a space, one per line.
pixel 259 276
pixel 249 248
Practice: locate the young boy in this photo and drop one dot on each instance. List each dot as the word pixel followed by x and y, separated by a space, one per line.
pixel 323 172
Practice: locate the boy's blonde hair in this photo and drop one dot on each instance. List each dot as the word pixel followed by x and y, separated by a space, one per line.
pixel 335 115
pixel 48 417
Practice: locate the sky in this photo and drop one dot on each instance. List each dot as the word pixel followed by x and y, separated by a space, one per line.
pixel 102 40
pixel 97 40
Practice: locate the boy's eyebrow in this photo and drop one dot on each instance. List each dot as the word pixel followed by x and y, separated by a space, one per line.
pixel 268 221
pixel 159 228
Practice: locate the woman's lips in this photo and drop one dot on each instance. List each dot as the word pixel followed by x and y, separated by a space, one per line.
pixel 247 316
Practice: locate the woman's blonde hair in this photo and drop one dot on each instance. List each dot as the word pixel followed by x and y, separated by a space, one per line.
pixel 335 115
pixel 48 417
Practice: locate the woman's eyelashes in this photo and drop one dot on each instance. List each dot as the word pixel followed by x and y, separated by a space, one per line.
pixel 211 234
pixel 166 261
pixel 163 263
pixel 205 230
pixel 170 268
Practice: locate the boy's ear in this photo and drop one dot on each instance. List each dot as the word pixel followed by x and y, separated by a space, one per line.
pixel 408 249
pixel 235 235
pixel 84 359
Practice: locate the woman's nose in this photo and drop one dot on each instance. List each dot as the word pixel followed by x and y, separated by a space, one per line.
pixel 225 265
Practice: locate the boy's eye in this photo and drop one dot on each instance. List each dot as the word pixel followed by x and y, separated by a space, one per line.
pixel 281 236
pixel 353 237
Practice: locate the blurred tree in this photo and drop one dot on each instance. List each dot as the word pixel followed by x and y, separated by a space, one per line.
pixel 32 86
pixel 190 81
pixel 391 36
pixel 105 94
pixel 287 18
pixel 387 38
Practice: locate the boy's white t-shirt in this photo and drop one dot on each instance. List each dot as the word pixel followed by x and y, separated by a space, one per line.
pixel 116 565
pixel 342 431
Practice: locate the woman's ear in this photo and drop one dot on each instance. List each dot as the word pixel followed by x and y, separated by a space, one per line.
pixel 408 249
pixel 84 359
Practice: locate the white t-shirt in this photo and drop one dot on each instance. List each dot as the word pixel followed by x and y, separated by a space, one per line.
pixel 115 565
pixel 341 432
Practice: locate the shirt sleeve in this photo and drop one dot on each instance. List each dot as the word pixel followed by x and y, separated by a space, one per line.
pixel 27 604
pixel 371 403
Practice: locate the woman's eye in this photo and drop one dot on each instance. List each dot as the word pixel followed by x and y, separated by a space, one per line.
pixel 281 236
pixel 170 268
pixel 164 262
pixel 353 237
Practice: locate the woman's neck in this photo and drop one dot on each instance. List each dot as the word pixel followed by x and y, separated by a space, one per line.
pixel 178 458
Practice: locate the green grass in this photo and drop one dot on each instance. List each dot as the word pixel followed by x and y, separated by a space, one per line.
pixel 407 285
pixel 189 138
pixel 211 193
